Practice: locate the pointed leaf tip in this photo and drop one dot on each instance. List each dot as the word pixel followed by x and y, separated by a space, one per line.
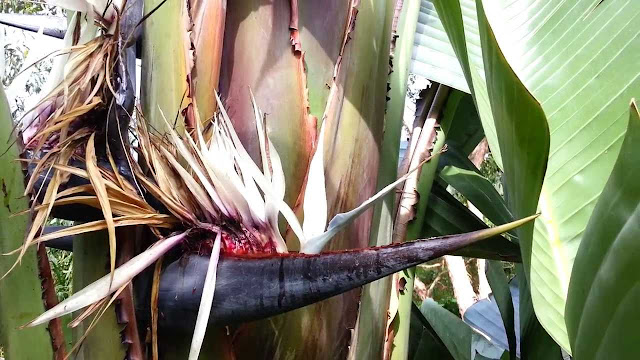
pixel 205 302
pixel 315 244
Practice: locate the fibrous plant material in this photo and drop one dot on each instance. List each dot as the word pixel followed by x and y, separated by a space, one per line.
pixel 50 300
pixel 58 127
pixel 204 186
pixel 200 192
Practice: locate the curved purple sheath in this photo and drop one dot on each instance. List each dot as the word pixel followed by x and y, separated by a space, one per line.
pixel 253 288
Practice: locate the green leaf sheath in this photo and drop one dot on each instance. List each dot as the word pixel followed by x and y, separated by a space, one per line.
pixel 580 60
pixel 20 297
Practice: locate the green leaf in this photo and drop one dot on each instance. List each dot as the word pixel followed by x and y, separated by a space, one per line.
pixel 535 342
pixel 433 56
pixel 424 342
pixel 460 122
pixel 602 310
pixel 447 216
pixel 580 60
pixel 500 289
pixel 455 334
pixel 20 296
pixel 483 349
pixel 477 189
pixel 459 19
pixel 524 138
pixel 456 157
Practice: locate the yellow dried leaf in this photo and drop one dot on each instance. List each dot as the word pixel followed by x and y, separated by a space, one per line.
pixel 101 192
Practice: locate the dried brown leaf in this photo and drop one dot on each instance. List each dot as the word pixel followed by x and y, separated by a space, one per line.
pixel 103 197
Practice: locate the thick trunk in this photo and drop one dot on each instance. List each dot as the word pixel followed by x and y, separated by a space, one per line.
pixel 346 56
pixel 20 292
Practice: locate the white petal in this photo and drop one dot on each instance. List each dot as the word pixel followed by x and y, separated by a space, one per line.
pixel 340 221
pixel 205 302
pixel 315 195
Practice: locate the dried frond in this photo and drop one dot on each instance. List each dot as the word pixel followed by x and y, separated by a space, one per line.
pixel 82 90
pixel 100 190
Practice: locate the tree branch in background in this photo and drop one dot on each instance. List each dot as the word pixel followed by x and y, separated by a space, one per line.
pixel 420 289
pixel 460 279
pixel 477 157
pixel 461 282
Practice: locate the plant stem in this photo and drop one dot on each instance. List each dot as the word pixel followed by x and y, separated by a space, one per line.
pixel 406 213
pixel 125 309
pixel 424 145
pixel 50 300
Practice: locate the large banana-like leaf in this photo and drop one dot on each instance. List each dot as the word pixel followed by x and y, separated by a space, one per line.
pixel 580 60
pixel 461 23
pixel 517 117
pixel 433 56
pixel 602 306
pixel 523 134
pixel 20 294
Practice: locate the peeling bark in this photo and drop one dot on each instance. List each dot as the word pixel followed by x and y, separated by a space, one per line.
pixel 125 308
pixel 263 51
pixel 423 147
pixel 422 110
pixel 336 92
pixel 310 120
pixel 405 211
pixel 50 300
